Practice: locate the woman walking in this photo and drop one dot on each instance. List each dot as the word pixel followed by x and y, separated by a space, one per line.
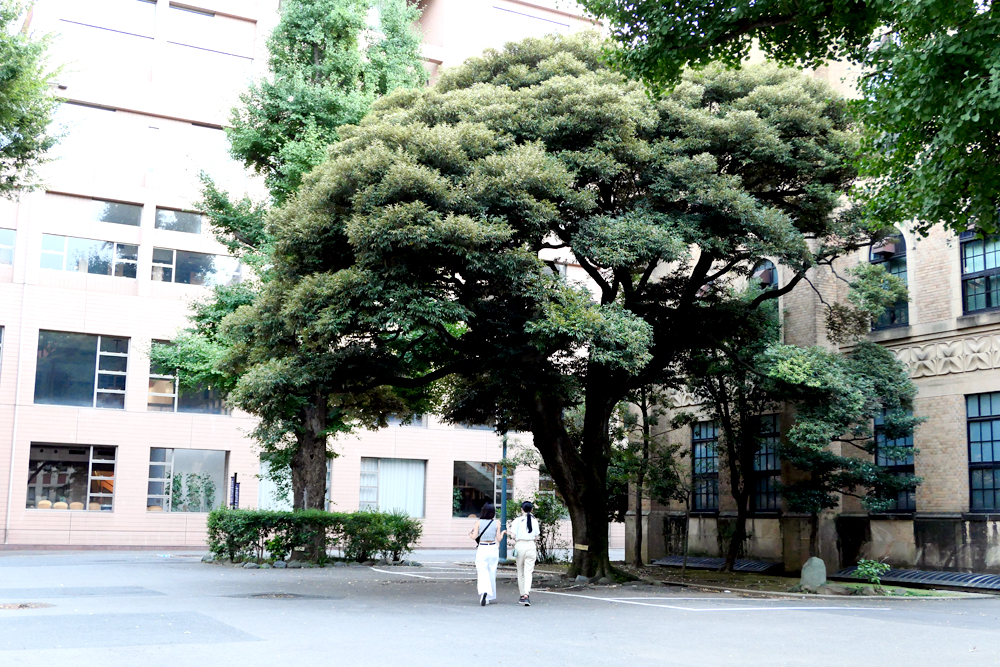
pixel 487 534
pixel 525 530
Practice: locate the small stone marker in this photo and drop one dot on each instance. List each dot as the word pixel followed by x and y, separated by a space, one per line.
pixel 580 579
pixel 249 566
pixel 813 574
pixel 280 564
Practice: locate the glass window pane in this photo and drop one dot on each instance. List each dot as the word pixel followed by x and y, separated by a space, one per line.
pixel 163 256
pixel 113 363
pixel 117 213
pixel 178 221
pixel 127 252
pixel 65 369
pixel 53 243
pixel 111 382
pixel 157 455
pixel 114 344
pixel 111 401
pixel 126 270
pixel 7 237
pixel 194 268
pixel 163 274
pixel 198 482
pixel 201 400
pixel 58 477
pixel 972 406
pixel 51 261
pixel 473 487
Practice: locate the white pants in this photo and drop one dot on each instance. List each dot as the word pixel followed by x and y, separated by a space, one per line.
pixel 487 557
pixel 526 555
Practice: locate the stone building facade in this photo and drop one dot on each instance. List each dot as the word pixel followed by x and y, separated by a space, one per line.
pixel 948 337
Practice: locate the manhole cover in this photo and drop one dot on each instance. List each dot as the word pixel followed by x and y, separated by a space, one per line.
pixel 24 605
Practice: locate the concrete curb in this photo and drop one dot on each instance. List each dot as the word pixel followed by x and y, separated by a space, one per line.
pixel 811 596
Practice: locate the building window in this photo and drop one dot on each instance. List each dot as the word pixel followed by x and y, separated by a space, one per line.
pixel 420 421
pixel 195 268
pixel 766 275
pixel 393 484
pixel 767 466
pixel 166 396
pixel 66 253
pixel 71 477
pixel 116 213
pixel 983 412
pixel 7 237
pixel 980 272
pixel 178 221
pixel 473 485
pixel 81 370
pixel 186 480
pixel 705 465
pixel 905 501
pixel 891 254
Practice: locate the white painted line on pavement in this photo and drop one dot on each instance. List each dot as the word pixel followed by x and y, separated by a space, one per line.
pixel 667 606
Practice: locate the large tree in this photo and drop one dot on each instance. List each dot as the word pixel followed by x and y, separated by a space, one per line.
pixel 456 201
pixel 329 60
pixel 928 83
pixel 26 100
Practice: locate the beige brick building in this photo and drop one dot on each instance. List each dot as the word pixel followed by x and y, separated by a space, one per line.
pixel 948 336
pixel 97 448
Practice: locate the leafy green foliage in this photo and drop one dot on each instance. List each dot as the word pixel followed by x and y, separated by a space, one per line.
pixel 871 571
pixel 837 397
pixel 327 66
pixel 928 86
pixel 258 534
pixel 422 245
pixel 26 101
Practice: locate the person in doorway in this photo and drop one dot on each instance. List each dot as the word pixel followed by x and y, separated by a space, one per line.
pixel 524 530
pixel 487 534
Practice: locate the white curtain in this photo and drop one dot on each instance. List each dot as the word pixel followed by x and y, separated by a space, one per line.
pixel 401 485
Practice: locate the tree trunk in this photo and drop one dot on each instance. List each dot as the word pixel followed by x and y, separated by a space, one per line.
pixel 739 537
pixel 641 478
pixel 814 535
pixel 581 476
pixel 309 469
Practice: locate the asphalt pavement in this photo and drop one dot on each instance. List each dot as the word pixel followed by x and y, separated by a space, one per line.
pixel 141 608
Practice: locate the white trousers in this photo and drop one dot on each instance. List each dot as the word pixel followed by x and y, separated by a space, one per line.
pixel 487 557
pixel 526 555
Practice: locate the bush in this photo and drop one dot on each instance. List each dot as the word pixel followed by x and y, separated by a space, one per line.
pixel 247 534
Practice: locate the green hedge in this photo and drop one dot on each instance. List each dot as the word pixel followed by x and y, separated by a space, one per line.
pixel 262 534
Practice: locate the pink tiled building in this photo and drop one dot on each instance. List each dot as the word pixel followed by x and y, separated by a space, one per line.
pixel 97 448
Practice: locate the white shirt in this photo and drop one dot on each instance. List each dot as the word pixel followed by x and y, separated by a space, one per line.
pixel 519 529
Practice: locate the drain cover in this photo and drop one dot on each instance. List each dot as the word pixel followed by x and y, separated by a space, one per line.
pixel 274 596
pixel 24 605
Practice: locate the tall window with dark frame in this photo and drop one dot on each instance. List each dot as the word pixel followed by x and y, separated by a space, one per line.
pixel 902 467
pixel 980 272
pixel 767 466
pixel 891 254
pixel 705 465
pixel 983 416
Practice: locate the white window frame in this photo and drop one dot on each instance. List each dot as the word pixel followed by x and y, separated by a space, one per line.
pixel 368 504
pixel 172 266
pixel 98 372
pixel 156 219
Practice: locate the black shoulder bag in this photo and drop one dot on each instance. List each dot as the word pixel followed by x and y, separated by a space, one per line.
pixel 483 531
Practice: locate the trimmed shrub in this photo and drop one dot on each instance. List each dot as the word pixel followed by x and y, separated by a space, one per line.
pixel 248 534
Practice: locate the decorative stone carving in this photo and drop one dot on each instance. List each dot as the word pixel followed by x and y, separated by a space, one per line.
pixel 947 357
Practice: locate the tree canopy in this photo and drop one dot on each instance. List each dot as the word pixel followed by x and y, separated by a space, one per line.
pixel 328 61
pixel 426 246
pixel 929 84
pixel 26 101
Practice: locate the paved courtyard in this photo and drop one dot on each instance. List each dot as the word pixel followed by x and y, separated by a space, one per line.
pixel 143 608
